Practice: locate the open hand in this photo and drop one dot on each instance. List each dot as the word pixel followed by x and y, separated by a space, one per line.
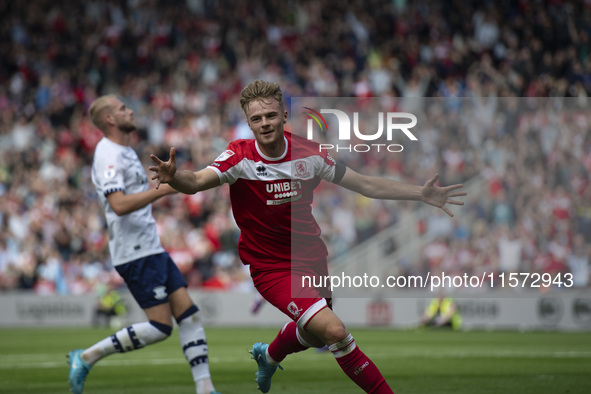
pixel 439 196
pixel 164 171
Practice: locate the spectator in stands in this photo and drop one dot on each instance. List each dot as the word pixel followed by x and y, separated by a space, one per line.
pixel 180 67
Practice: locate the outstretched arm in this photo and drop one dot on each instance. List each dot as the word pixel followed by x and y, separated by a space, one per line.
pixel 387 189
pixel 123 203
pixel 184 181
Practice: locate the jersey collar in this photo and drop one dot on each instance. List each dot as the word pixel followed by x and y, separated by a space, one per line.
pixel 273 158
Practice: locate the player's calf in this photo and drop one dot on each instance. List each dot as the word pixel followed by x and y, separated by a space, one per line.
pixel 139 335
pixel 194 344
pixel 129 338
pixel 358 367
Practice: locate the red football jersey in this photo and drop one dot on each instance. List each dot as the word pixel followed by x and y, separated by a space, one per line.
pixel 271 200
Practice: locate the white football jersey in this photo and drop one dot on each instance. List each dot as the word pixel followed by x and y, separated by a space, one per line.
pixel 117 168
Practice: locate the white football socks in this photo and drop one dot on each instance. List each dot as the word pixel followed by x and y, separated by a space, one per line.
pixel 130 338
pixel 194 344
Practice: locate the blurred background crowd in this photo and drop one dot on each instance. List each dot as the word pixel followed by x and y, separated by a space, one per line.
pixel 181 65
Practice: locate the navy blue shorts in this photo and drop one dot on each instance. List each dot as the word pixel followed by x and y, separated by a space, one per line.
pixel 151 279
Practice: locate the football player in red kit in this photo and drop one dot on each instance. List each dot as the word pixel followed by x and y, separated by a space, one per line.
pixel 272 179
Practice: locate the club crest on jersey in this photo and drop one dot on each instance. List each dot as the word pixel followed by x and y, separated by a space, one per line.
pixel 110 172
pixel 293 309
pixel 160 292
pixel 301 169
pixel 225 155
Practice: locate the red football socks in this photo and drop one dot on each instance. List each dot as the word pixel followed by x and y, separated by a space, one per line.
pixel 359 368
pixel 286 342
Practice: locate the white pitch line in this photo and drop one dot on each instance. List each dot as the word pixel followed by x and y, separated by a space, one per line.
pixel 24 361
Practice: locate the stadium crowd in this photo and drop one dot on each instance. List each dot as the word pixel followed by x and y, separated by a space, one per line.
pixel 181 67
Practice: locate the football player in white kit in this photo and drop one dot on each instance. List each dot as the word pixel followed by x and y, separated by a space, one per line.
pixel 136 253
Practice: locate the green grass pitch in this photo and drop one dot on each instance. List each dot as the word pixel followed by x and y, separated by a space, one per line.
pixel 33 361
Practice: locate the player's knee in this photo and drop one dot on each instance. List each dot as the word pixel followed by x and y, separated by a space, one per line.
pixel 164 330
pixel 335 333
pixel 308 339
pixel 190 315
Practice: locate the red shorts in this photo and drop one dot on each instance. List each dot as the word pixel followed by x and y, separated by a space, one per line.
pixel 301 306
